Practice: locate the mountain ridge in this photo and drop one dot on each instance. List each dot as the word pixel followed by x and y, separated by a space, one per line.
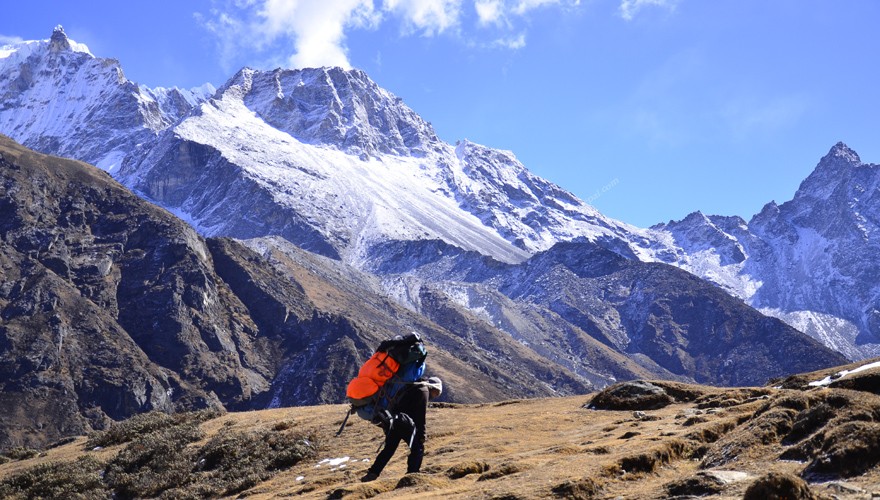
pixel 807 260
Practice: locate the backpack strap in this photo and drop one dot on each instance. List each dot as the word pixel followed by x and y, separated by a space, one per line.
pixel 398 383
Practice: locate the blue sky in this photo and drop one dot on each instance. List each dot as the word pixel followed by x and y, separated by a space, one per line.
pixel 649 109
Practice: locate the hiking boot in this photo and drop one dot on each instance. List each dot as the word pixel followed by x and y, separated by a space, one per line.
pixel 369 476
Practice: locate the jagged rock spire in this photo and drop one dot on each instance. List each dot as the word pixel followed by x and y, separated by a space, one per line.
pixel 841 150
pixel 59 40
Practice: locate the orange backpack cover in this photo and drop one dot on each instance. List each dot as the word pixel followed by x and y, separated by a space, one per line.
pixel 372 375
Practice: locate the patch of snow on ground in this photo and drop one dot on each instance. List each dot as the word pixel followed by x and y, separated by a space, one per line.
pixel 839 375
pixel 333 462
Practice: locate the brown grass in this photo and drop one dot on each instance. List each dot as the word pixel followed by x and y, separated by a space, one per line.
pixel 459 471
pixel 579 489
pixel 777 486
pixel 526 449
pixel 652 460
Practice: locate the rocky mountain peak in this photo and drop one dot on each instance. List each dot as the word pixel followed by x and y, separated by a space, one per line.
pixel 843 152
pixel 59 41
pixel 335 107
pixel 60 99
pixel 834 168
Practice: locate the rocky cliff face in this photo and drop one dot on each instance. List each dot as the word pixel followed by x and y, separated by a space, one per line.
pixel 97 321
pixel 337 108
pixel 337 165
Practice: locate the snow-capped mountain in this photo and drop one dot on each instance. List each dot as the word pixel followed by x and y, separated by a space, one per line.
pixel 323 157
pixel 332 162
pixel 328 160
pixel 55 96
pixel 811 261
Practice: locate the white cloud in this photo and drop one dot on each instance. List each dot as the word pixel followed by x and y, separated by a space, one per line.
pixel 431 17
pixel 8 40
pixel 513 42
pixel 230 32
pixel 317 27
pixel 523 6
pixel 313 32
pixel 489 11
pixel 629 8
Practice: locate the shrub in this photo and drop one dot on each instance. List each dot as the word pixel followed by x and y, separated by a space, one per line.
pixel 80 479
pixel 145 423
pixel 232 462
pixel 153 463
pixel 161 465
pixel 19 453
pixel 160 461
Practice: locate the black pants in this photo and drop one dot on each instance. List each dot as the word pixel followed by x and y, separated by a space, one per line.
pixel 392 441
pixel 413 402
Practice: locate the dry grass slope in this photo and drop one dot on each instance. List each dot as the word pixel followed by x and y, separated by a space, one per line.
pixel 706 442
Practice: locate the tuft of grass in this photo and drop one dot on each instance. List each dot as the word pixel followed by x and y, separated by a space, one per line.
pixel 421 482
pixel 582 489
pixel 501 471
pixel 778 485
pixel 660 456
pixel 712 433
pixel 699 485
pixel 283 425
pixel 598 450
pixel 464 469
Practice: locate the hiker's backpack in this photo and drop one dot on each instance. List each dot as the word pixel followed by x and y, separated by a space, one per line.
pixel 395 364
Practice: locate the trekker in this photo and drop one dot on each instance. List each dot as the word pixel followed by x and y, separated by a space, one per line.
pixel 407 425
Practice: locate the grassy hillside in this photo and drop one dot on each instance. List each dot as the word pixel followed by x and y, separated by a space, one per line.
pixel 815 441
